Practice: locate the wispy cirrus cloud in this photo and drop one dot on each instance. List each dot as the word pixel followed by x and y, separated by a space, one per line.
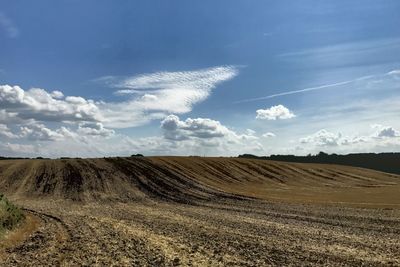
pixel 320 87
pixel 8 26
pixel 158 94
pixel 155 95
pixel 346 49
pixel 203 79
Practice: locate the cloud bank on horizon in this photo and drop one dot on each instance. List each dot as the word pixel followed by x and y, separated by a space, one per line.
pixel 123 86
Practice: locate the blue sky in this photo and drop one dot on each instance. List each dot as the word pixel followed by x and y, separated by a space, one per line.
pixel 94 78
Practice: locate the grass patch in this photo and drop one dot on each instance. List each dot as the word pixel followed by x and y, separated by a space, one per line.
pixel 10 215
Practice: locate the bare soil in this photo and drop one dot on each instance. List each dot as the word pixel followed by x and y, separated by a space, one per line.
pixel 189 211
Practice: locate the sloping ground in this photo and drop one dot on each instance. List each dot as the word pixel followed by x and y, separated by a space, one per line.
pixel 101 179
pixel 293 182
pixel 179 179
pixel 171 211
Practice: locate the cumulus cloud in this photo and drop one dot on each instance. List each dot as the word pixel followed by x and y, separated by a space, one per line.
pixel 39 132
pixel 388 132
pixel 6 132
pixel 205 133
pixel 149 97
pixel 268 135
pixel 12 149
pixel 40 105
pixel 80 123
pixel 57 94
pixel 326 138
pixel 385 131
pixel 94 129
pixel 175 129
pixel 323 138
pixel 250 132
pixel 6 117
pixel 274 113
pixel 383 137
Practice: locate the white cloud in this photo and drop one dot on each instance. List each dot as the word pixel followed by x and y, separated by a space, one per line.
pixel 40 105
pixel 7 116
pixel 326 138
pixel 383 139
pixel 80 125
pixel 6 132
pixel 200 80
pixel 206 134
pixel 385 131
pixel 250 132
pixel 153 96
pixel 39 132
pixel 12 149
pixel 157 95
pixel 388 132
pixel 393 73
pixel 274 113
pixel 57 94
pixel 268 135
pixel 323 138
pixel 175 129
pixel 94 129
pixel 8 26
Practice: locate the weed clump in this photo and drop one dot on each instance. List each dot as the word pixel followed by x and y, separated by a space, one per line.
pixel 10 215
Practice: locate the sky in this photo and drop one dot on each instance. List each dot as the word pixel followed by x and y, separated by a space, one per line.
pixel 212 78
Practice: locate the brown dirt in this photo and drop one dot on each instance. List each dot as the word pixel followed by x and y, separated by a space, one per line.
pixel 169 211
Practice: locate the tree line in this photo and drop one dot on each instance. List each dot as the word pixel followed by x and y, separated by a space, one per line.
pixel 386 162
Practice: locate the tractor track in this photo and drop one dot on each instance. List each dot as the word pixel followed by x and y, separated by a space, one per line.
pixel 47 246
pixel 177 211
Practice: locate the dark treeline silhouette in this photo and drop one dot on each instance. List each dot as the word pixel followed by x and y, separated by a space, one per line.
pixel 7 158
pixel 137 155
pixel 386 162
pixel 11 158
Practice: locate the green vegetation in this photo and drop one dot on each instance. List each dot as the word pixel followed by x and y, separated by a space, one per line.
pixel 10 215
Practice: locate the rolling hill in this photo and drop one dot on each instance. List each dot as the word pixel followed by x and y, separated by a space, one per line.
pixel 194 211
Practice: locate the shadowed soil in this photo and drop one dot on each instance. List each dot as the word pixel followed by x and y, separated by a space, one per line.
pixel 189 211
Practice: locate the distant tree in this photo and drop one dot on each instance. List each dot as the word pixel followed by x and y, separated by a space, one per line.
pixel 387 162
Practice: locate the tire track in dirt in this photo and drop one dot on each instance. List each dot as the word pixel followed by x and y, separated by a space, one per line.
pixel 170 211
pixel 47 246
